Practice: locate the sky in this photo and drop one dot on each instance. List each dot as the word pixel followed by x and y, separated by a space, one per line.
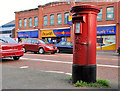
pixel 8 7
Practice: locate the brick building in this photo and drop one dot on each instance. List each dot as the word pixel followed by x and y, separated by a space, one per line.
pixel 49 22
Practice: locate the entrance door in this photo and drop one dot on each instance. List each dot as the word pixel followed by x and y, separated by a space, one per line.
pixel 54 40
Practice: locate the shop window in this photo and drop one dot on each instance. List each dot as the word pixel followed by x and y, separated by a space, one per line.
pixel 106 42
pixel 51 19
pixel 25 22
pixel 100 15
pixel 59 18
pixel 30 22
pixel 110 13
pixel 20 23
pixel 65 17
pixel 36 21
pixel 45 20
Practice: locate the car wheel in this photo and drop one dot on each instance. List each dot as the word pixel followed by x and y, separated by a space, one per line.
pixel 35 52
pixel 52 52
pixel 16 58
pixel 41 51
pixel 24 49
pixel 58 50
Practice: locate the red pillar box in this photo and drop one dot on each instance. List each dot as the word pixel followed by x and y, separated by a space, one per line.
pixel 84 20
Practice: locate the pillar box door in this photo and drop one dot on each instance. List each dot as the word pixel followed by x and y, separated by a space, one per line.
pixel 84 20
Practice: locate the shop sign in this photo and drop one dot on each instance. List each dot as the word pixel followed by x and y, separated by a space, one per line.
pixel 106 30
pixel 27 34
pixel 48 33
pixel 69 20
pixel 62 32
pixel 56 33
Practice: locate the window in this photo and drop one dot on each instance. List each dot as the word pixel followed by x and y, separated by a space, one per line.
pixel 110 13
pixel 30 22
pixel 45 20
pixel 8 40
pixel 28 41
pixel 35 21
pixel 20 23
pixel 25 22
pixel 51 19
pixel 35 41
pixel 65 17
pixel 59 18
pixel 100 15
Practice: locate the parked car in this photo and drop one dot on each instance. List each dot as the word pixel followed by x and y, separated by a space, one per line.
pixel 10 48
pixel 118 50
pixel 66 47
pixel 38 46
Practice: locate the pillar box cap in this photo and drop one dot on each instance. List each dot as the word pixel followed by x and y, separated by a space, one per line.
pixel 84 7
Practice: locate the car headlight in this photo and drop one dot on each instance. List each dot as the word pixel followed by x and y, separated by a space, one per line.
pixel 49 47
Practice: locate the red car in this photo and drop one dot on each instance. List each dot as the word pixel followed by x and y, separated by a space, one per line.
pixel 38 46
pixel 10 48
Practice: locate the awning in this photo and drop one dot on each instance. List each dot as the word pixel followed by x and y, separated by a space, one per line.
pixel 7 29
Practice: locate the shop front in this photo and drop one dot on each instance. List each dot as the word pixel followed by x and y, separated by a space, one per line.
pixel 26 34
pixel 106 38
pixel 57 35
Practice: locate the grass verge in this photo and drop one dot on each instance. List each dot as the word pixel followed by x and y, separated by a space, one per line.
pixel 99 83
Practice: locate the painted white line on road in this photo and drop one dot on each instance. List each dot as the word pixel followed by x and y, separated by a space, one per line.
pixel 57 72
pixel 115 59
pixel 68 74
pixel 108 66
pixel 47 60
pixel 107 58
pixel 24 67
pixel 43 60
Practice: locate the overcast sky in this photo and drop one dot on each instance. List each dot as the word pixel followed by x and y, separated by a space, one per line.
pixel 8 7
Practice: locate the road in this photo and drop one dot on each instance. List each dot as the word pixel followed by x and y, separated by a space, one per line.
pixel 107 64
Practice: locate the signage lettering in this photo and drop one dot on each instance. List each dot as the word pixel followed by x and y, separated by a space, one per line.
pixel 106 30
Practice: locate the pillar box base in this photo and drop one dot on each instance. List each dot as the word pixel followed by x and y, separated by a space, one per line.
pixel 85 73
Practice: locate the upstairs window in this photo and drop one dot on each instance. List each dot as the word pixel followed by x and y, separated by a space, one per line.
pixel 20 23
pixel 100 15
pixel 59 18
pixel 110 13
pixel 51 19
pixel 35 21
pixel 25 22
pixel 45 20
pixel 65 17
pixel 30 22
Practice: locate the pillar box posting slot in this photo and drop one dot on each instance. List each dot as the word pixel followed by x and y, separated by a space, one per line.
pixel 84 18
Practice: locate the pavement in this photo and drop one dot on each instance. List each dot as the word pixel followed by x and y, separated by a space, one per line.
pixel 17 78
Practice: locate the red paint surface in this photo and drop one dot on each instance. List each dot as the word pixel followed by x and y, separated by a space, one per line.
pixel 84 46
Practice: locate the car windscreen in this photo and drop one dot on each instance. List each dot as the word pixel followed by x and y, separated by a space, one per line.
pixel 61 43
pixel 44 42
pixel 69 43
pixel 7 40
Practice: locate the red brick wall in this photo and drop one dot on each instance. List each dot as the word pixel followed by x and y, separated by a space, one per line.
pixel 25 14
pixel 56 8
pixel 63 7
pixel 104 5
pixel 16 24
pixel 119 23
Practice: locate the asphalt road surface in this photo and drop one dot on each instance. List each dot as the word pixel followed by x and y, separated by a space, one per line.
pixel 32 70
